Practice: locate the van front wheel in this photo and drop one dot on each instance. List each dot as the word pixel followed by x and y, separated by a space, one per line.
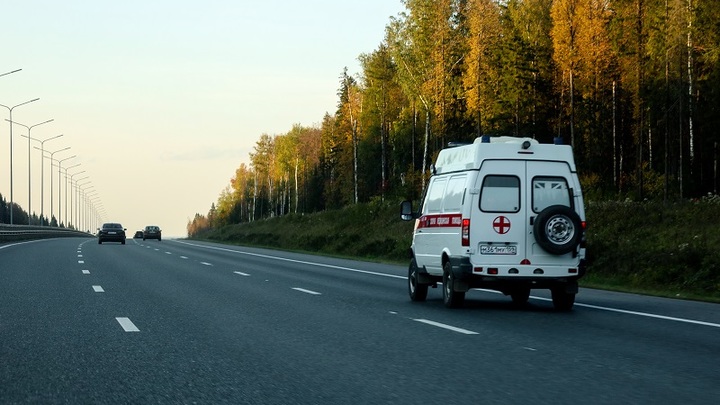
pixel 418 292
pixel 451 298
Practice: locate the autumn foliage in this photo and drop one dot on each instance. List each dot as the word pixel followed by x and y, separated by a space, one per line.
pixel 633 85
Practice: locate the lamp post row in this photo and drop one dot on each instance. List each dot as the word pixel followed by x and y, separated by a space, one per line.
pixel 42 167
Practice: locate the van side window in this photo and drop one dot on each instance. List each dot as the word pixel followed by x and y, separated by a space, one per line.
pixel 500 194
pixel 547 191
pixel 454 194
pixel 435 196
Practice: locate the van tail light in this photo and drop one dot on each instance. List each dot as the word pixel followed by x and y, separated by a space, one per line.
pixel 465 231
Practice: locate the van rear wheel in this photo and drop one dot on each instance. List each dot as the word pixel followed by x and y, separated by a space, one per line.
pixel 562 301
pixel 418 291
pixel 520 296
pixel 451 298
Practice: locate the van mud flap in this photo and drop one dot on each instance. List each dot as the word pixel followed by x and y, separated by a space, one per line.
pixel 462 270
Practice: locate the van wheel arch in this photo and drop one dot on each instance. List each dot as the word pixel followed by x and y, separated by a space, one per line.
pixel 417 290
pixel 451 298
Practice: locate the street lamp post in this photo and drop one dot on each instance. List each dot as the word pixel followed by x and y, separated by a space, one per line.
pixel 71 196
pixel 79 195
pixel 29 166
pixel 51 178
pixel 60 188
pixel 42 176
pixel 87 206
pixel 10 109
pixel 74 207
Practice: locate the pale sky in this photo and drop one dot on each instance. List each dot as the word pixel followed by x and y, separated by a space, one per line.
pixel 162 100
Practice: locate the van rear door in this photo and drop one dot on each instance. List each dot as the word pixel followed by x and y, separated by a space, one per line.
pixel 499 226
pixel 549 183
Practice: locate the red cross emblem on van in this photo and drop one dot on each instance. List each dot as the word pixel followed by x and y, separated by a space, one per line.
pixel 501 225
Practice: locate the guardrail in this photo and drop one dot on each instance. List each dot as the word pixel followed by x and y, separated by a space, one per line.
pixel 10 233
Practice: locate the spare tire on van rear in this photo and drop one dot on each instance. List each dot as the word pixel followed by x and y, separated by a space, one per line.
pixel 557 229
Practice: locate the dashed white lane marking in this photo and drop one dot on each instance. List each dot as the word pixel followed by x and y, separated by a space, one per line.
pixel 80 256
pixel 241 273
pixel 81 261
pixel 168 253
pixel 306 291
pixel 127 324
pixel 98 288
pixel 183 257
pixel 86 271
pixel 206 263
pixel 444 326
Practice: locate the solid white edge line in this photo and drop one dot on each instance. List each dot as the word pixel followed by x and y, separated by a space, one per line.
pixel 667 318
pixel 444 326
pixel 306 291
pixel 127 324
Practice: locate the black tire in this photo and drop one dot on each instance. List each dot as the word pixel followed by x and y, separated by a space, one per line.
pixel 451 298
pixel 520 296
pixel 418 292
pixel 99 241
pixel 557 229
pixel 562 301
pixel 123 241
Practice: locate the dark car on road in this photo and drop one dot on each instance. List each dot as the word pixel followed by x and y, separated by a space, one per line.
pixel 111 232
pixel 138 235
pixel 152 232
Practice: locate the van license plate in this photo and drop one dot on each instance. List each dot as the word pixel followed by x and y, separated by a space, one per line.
pixel 498 250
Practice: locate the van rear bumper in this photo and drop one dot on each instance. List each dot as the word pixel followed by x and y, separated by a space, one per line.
pixel 511 278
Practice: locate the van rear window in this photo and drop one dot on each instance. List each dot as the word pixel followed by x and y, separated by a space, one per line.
pixel 549 191
pixel 500 194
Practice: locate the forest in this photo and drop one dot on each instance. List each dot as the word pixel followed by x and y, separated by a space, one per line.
pixel 632 85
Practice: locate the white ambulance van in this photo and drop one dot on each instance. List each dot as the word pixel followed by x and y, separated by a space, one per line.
pixel 502 213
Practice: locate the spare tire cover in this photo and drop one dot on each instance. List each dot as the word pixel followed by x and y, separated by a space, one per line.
pixel 557 229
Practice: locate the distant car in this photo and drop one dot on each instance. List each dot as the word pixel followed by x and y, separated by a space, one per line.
pixel 138 234
pixel 152 232
pixel 111 232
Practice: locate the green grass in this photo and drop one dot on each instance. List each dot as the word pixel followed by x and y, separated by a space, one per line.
pixel 650 248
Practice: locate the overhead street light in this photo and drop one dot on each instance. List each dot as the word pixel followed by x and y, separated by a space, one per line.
pixel 29 166
pixel 42 174
pixel 60 184
pixel 5 74
pixel 10 109
pixel 74 215
pixel 69 190
pixel 42 200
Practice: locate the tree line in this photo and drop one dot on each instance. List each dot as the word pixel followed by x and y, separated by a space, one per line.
pixel 632 85
pixel 21 217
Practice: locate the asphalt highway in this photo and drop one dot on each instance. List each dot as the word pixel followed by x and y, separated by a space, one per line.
pixel 185 322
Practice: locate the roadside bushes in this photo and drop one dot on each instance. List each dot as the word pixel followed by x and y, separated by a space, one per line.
pixel 669 248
